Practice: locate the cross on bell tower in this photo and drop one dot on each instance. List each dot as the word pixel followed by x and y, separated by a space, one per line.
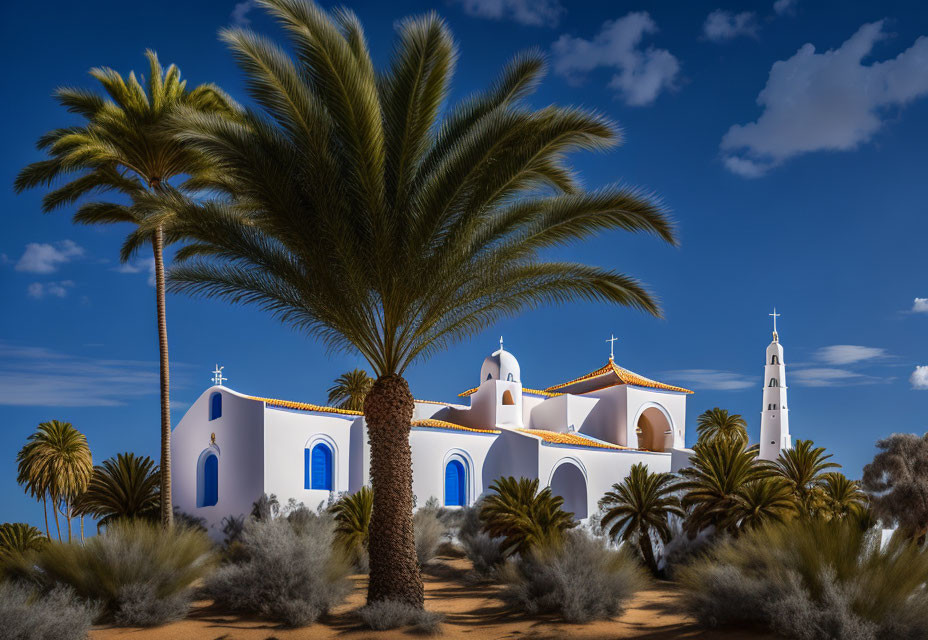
pixel 218 379
pixel 612 340
pixel 775 315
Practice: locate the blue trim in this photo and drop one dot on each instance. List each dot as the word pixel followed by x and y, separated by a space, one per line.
pixel 215 405
pixel 320 467
pixel 210 480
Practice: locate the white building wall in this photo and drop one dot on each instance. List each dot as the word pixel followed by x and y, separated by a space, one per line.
pixel 608 419
pixel 560 412
pixel 670 403
pixel 432 449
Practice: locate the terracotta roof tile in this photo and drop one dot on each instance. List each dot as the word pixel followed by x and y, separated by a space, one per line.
pixel 441 424
pixel 570 439
pixel 624 376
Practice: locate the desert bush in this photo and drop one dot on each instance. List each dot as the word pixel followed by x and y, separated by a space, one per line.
pixel 483 550
pixel 391 614
pixel 286 573
pixel 813 580
pixel 579 579
pixel 140 574
pixel 428 531
pixel 57 615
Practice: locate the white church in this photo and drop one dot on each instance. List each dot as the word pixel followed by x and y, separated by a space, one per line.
pixel 578 437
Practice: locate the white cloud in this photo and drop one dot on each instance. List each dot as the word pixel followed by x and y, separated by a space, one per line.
pixel 832 377
pixel 240 13
pixel 782 7
pixel 841 354
pixel 535 13
pixel 139 266
pixel 724 25
pixel 712 379
pixel 39 290
pixel 45 258
pixel 826 101
pixel 919 378
pixel 920 305
pixel 641 73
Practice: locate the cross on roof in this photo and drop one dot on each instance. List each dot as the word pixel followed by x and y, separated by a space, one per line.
pixel 217 376
pixel 775 315
pixel 501 343
pixel 612 341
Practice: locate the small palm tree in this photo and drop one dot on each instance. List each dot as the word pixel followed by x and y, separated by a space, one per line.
pixel 763 501
pixel 57 458
pixel 641 507
pixel 33 476
pixel 123 488
pixel 18 538
pixel 352 521
pixel 718 423
pixel 124 147
pixel 718 471
pixel 350 389
pixel 523 516
pixel 843 497
pixel 803 467
pixel 361 208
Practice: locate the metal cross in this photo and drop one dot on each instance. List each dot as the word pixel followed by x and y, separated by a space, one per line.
pixel 217 376
pixel 612 341
pixel 775 315
pixel 501 343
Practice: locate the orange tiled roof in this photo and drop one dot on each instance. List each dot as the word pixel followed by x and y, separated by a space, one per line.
pixel 444 404
pixel 441 424
pixel 538 392
pixel 624 376
pixel 305 406
pixel 573 439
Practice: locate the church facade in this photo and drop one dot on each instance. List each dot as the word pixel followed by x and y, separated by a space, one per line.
pixel 578 437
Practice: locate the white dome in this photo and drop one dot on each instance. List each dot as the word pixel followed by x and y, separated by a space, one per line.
pixel 500 365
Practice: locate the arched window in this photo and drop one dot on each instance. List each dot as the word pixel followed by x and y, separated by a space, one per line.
pixel 509 377
pixel 489 376
pixel 455 484
pixel 209 481
pixel 507 397
pixel 773 383
pixel 775 359
pixel 215 406
pixel 317 467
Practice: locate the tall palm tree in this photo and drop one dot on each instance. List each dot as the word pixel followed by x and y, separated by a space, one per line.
pixel 363 210
pixel 803 467
pixel 763 501
pixel 843 497
pixel 19 537
pixel 642 506
pixel 123 148
pixel 523 516
pixel 718 423
pixel 124 487
pixel 57 459
pixel 718 471
pixel 350 389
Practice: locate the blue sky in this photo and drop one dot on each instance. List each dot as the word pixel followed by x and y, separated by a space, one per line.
pixel 788 138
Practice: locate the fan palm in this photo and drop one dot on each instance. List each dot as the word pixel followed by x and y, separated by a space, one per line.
pixel 33 476
pixel 765 500
pixel 350 389
pixel 843 497
pixel 352 521
pixel 523 516
pixel 803 467
pixel 718 423
pixel 56 458
pixel 19 537
pixel 718 471
pixel 641 506
pixel 124 487
pixel 124 148
pixel 360 208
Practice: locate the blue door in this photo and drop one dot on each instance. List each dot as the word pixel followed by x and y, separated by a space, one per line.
pixel 210 481
pixel 455 487
pixel 320 473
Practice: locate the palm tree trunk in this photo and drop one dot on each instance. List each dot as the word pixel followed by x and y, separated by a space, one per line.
pixel 55 513
pixel 45 513
pixel 82 529
pixel 167 512
pixel 647 549
pixel 394 570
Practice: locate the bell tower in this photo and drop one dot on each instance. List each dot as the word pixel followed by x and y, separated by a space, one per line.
pixel 774 421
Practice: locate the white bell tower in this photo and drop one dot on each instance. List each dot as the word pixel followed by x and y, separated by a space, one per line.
pixel 774 421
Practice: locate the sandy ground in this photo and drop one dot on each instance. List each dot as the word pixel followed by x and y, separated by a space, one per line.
pixel 471 611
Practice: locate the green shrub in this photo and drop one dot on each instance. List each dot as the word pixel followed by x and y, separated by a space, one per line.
pixel 140 574
pixel 580 579
pixel 57 615
pixel 285 571
pixel 391 614
pixel 813 580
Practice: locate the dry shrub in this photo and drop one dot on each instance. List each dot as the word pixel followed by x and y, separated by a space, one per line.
pixel 483 550
pixel 58 615
pixel 392 614
pixel 428 530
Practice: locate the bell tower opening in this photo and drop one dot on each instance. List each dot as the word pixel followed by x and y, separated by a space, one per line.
pixel 507 398
pixel 653 430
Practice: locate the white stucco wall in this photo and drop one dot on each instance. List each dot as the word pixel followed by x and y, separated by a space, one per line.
pixel 558 413
pixel 239 448
pixel 432 449
pixel 669 403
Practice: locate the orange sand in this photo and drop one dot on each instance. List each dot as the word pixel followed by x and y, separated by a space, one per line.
pixel 471 611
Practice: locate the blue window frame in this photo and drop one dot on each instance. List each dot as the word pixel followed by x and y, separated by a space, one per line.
pixel 215 406
pixel 455 484
pixel 317 467
pixel 210 480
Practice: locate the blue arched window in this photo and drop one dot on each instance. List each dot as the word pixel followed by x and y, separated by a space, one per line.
pixel 317 467
pixel 209 481
pixel 215 406
pixel 455 484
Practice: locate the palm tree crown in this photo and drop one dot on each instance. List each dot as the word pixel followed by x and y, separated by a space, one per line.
pixel 523 516
pixel 803 467
pixel 350 389
pixel 718 423
pixel 124 487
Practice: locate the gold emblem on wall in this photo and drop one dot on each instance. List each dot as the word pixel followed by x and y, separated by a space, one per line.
pixel 212 438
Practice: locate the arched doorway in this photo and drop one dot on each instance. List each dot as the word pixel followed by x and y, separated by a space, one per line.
pixel 653 430
pixel 569 483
